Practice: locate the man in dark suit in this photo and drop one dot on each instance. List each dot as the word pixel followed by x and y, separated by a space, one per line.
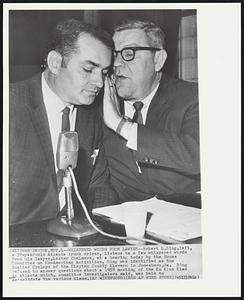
pixel 78 60
pixel 152 134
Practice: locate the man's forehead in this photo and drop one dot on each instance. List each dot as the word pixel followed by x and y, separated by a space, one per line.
pixel 129 37
pixel 86 39
pixel 92 50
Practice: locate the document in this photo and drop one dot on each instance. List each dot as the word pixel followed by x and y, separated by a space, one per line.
pixel 170 220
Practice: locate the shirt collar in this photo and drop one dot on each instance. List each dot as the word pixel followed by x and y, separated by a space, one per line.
pixel 51 100
pixel 147 100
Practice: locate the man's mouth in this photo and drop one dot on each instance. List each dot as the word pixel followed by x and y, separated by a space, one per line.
pixel 120 77
pixel 91 92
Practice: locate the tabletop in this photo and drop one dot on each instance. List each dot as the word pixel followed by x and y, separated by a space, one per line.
pixel 35 234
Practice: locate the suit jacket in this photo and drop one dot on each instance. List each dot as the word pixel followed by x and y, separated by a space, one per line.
pixel 167 147
pixel 33 181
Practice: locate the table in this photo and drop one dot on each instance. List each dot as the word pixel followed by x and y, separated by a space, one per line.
pixel 35 234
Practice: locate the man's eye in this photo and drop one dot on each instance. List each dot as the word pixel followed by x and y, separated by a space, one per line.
pixel 105 72
pixel 87 70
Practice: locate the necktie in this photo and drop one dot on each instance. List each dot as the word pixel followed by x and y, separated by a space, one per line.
pixel 65 119
pixel 65 127
pixel 137 115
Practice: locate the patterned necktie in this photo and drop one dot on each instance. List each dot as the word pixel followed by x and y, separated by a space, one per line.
pixel 137 115
pixel 65 119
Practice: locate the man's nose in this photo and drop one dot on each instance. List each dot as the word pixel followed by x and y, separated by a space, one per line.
pixel 118 60
pixel 98 80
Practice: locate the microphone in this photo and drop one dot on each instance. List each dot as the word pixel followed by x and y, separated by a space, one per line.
pixel 67 150
pixel 66 158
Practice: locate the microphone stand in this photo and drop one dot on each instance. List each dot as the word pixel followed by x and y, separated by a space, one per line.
pixel 68 225
pixel 68 197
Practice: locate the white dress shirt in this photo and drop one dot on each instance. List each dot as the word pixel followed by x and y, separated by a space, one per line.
pixel 54 107
pixel 131 131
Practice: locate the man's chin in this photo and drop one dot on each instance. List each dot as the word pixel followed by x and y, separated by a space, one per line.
pixel 86 100
pixel 122 92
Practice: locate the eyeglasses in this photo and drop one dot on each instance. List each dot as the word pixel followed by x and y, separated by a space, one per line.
pixel 128 53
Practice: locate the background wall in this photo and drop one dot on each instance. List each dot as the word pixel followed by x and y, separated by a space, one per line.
pixel 28 37
pixel 29 34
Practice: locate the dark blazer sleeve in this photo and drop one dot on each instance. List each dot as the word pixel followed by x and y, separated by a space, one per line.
pixel 32 180
pixel 172 143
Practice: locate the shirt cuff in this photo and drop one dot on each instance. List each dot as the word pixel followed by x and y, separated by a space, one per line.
pixel 129 132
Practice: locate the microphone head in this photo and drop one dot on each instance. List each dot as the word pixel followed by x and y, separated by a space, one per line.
pixel 67 150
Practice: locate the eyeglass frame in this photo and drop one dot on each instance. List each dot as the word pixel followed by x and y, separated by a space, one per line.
pixel 134 49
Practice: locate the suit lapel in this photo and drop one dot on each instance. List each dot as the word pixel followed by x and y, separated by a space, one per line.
pixel 159 104
pixel 40 121
pixel 81 126
pixel 86 135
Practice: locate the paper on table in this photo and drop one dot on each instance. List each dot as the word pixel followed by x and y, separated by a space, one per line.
pixel 169 219
pixel 179 224
pixel 114 212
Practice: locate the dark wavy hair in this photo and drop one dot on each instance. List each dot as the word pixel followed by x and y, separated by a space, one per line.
pixel 67 32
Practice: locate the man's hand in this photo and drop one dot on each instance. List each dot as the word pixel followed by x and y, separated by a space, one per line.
pixel 111 114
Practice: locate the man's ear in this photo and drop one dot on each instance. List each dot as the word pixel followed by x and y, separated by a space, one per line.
pixel 54 61
pixel 159 59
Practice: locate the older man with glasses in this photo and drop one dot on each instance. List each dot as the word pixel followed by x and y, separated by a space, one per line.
pixel 151 135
